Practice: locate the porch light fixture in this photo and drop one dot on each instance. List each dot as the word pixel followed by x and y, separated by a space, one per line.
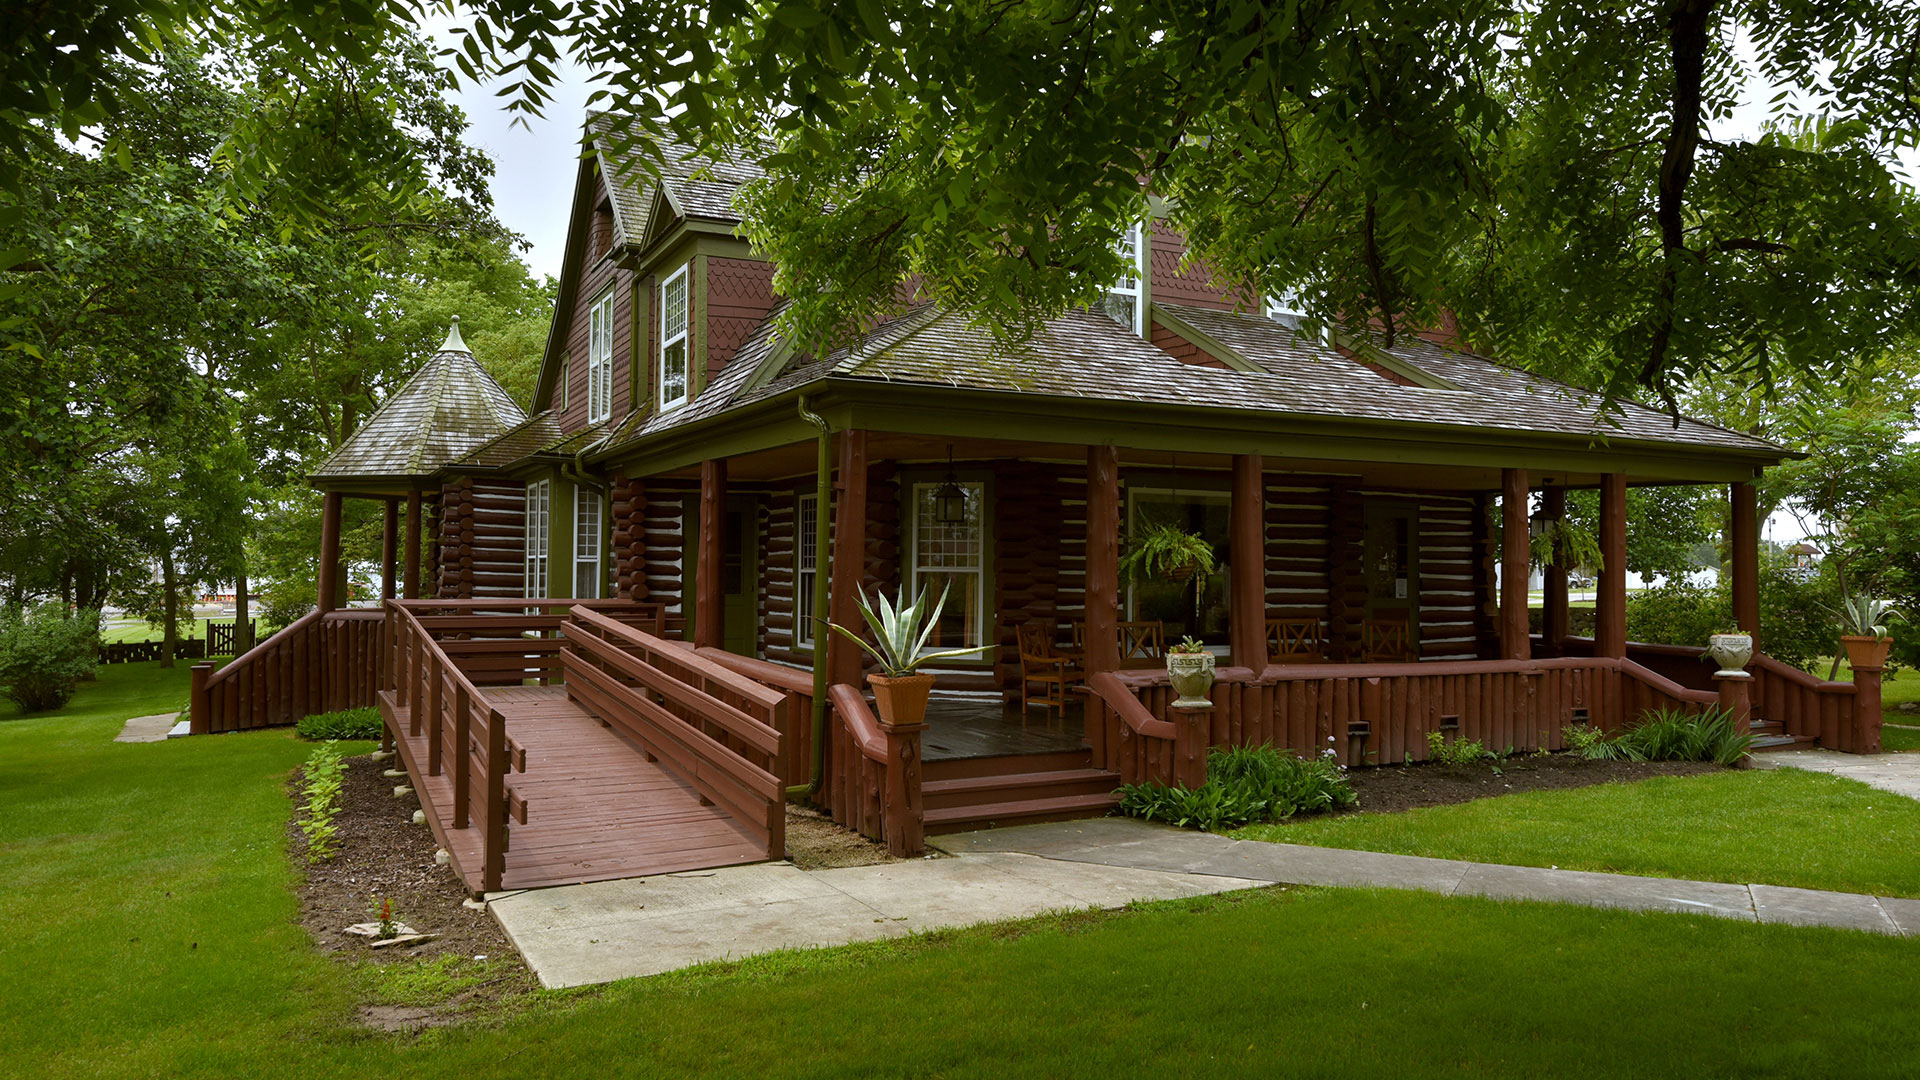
pixel 949 500
pixel 1537 523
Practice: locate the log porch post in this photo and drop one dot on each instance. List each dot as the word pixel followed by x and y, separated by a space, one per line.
pixel 1610 602
pixel 389 549
pixel 709 605
pixel 848 560
pixel 1247 577
pixel 1867 716
pixel 1554 623
pixel 329 575
pixel 410 590
pixel 1103 559
pixel 1736 699
pixel 1514 562
pixel 1744 538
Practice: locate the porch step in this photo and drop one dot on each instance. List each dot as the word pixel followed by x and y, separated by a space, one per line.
pixel 1769 735
pixel 1026 786
pixel 1026 811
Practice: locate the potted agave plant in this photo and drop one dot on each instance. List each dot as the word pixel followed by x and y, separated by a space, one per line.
pixel 1865 621
pixel 1160 550
pixel 1190 670
pixel 900 691
pixel 1731 649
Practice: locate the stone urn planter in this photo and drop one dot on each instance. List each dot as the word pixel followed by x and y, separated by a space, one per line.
pixel 901 699
pixel 1866 652
pixel 1191 674
pixel 1731 652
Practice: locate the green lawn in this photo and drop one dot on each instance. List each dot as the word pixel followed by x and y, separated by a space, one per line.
pixel 1784 827
pixel 149 931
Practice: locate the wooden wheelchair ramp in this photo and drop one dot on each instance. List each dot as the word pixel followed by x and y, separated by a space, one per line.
pixel 649 760
pixel 596 808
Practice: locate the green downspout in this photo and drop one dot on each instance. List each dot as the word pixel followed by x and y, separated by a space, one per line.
pixel 822 537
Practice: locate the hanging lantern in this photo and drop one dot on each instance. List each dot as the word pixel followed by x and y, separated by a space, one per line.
pixel 950 499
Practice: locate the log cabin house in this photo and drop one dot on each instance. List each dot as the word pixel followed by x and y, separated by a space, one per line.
pixel 603 659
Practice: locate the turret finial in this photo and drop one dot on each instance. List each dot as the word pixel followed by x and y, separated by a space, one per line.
pixel 453 342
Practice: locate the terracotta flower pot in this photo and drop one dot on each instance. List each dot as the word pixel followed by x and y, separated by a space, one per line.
pixel 1866 652
pixel 1192 676
pixel 902 700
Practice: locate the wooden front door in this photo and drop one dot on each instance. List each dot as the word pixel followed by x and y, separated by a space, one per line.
pixel 740 579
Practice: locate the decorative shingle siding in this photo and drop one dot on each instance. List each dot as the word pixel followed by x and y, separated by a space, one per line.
pixel 1181 349
pixel 1194 285
pixel 739 295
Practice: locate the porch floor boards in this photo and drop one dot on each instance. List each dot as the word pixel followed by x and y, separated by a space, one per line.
pixel 970 727
pixel 596 809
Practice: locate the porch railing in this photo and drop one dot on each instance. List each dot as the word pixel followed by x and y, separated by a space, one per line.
pixel 1806 705
pixel 317 663
pixel 508 641
pixel 1371 714
pixel 716 729
pixel 451 731
pixel 796 737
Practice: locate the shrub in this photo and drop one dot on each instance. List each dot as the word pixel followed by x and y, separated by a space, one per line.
pixel 45 653
pixel 1667 735
pixel 1682 613
pixel 1458 752
pixel 345 724
pixel 324 773
pixel 1244 783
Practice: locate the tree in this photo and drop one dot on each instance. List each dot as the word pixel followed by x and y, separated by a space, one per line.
pixel 1551 173
pixel 171 357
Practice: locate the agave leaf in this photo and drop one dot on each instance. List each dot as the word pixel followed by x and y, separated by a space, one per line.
pixel 860 641
pixel 944 653
pixel 926 630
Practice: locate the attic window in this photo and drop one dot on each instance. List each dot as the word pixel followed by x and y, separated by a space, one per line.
pixel 1124 303
pixel 673 340
pixel 602 231
pixel 1286 308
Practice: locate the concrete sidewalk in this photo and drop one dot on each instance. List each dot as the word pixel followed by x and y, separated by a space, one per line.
pixel 580 934
pixel 1897 773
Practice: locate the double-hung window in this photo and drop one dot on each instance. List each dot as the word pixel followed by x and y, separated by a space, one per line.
pixel 600 360
pixel 1123 300
pixel 586 544
pixel 806 567
pixel 537 532
pixel 951 555
pixel 673 340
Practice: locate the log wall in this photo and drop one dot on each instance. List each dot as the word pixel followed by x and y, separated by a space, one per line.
pixel 481 540
pixel 627 507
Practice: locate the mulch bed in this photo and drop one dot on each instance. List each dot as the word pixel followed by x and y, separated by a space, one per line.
pixel 814 842
pixel 1408 787
pixel 383 855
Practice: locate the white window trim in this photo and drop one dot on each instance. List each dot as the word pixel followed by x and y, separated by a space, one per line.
pixel 600 359
pixel 802 573
pixel 1135 287
pixel 676 335
pixel 979 572
pixel 583 499
pixel 538 533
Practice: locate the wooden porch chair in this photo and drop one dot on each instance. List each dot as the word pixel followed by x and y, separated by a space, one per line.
pixel 1387 639
pixel 1295 641
pixel 1042 667
pixel 1143 642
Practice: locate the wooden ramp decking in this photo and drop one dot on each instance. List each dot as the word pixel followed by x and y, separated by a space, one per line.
pixel 596 808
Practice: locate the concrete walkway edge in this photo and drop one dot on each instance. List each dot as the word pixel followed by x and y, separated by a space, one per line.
pixel 580 934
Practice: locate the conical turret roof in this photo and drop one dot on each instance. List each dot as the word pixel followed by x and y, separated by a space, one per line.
pixel 449 407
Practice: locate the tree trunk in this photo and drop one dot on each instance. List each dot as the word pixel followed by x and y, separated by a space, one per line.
pixel 242 622
pixel 169 581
